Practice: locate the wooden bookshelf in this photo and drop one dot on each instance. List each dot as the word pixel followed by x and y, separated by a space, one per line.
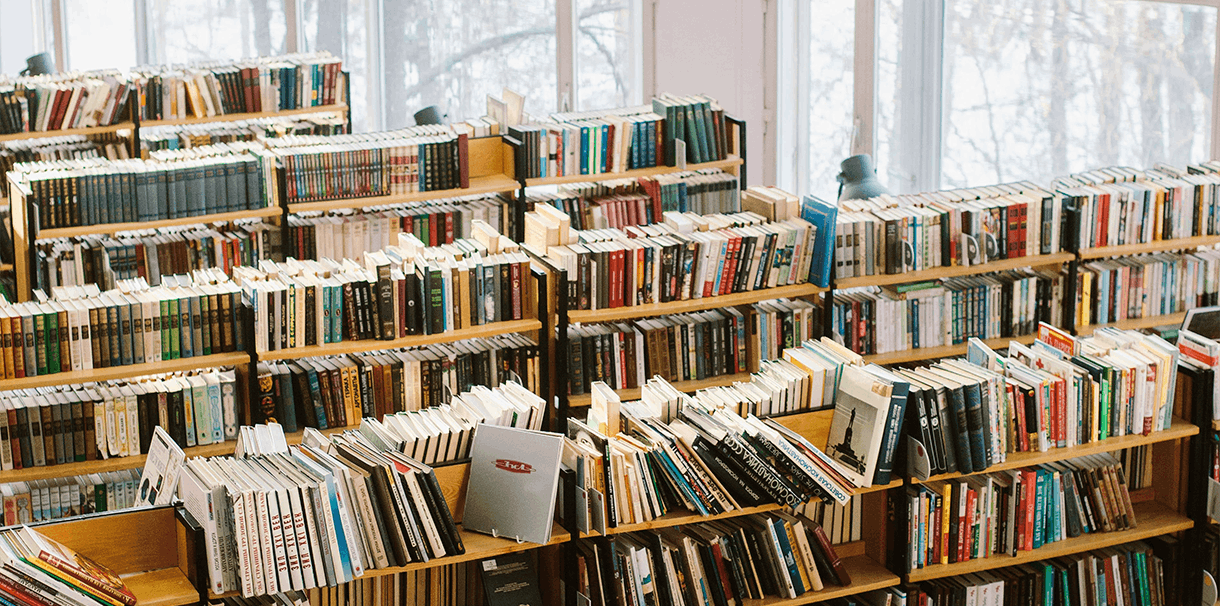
pixel 91 130
pixel 6 267
pixel 679 518
pixel 631 312
pixel 1148 247
pixel 1152 519
pixel 687 386
pixel 337 108
pixel 727 163
pixel 866 575
pixel 236 358
pixel 349 347
pixel 1178 429
pixel 1136 323
pixel 946 351
pixel 112 228
pixel 937 273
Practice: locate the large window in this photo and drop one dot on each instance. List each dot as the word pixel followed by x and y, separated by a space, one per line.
pixel 188 31
pixel 99 35
pixel 608 46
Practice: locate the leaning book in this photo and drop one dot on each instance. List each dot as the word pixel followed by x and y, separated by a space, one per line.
pixel 63 565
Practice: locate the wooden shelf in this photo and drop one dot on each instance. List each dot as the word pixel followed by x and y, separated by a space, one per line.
pixel 687 386
pixel 866 575
pixel 92 130
pixel 348 347
pixel 318 109
pixel 488 184
pixel 1148 247
pixel 946 351
pixel 165 587
pixel 937 273
pixel 679 518
pixel 1178 429
pixel 6 267
pixel 111 228
pixel 632 312
pixel 729 162
pixel 1152 519
pixel 1136 323
pixel 123 372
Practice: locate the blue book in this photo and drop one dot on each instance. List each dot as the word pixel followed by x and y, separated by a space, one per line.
pixel 822 215
pixel 781 535
pixel 979 454
pixel 893 422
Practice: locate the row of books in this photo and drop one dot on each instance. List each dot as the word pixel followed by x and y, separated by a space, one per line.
pixel 47 149
pixel 73 423
pixel 228 177
pixel 874 320
pixel 316 515
pixel 621 203
pixel 1126 574
pixel 783 323
pixel 1007 512
pixel 183 136
pixel 337 391
pixel 39 570
pixel 458 584
pixel 722 562
pixel 414 159
pixel 58 498
pixel 899 234
pixel 434 222
pixel 62 101
pixel 1059 392
pixel 105 261
pixel 393 295
pixel 842 522
pixel 590 143
pixel 1144 286
pixel 680 347
pixel 84 328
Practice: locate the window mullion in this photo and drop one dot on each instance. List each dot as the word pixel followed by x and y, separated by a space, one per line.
pixel 565 49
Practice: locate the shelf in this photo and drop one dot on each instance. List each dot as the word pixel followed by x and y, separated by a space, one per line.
pixel 632 312
pixel 165 587
pixel 946 351
pixel 318 109
pixel 937 273
pixel 123 372
pixel 479 546
pixel 679 518
pixel 111 228
pixel 686 386
pixel 1148 247
pixel 866 575
pixel 729 162
pixel 1136 323
pixel 6 267
pixel 1152 519
pixel 1178 429
pixel 92 130
pixel 348 347
pixel 492 183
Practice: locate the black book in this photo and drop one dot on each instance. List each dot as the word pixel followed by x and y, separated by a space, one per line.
pixel 413 307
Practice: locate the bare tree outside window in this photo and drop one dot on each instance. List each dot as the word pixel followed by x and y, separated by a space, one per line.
pixel 341 27
pixel 608 54
pixel 189 31
pixel 101 35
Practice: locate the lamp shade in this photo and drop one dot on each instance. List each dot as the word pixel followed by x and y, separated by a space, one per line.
pixel 428 115
pixel 858 179
pixel 38 65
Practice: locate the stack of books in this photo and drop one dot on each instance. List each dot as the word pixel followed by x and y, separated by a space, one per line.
pixel 1007 512
pixel 38 570
pixel 183 136
pixel 263 84
pixel 150 254
pixel 83 328
pixel 58 498
pixel 62 101
pixel 621 203
pixel 336 391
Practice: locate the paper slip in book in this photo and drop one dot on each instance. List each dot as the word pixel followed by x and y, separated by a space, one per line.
pixel 161 469
pixel 513 478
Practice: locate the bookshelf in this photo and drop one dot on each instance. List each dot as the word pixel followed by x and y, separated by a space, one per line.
pixel 631 312
pixel 337 108
pixel 1136 323
pixel 946 351
pixel 124 372
pixel 113 228
pixel 633 393
pixel 349 347
pixel 937 273
pixel 91 130
pixel 729 165
pixel 1148 247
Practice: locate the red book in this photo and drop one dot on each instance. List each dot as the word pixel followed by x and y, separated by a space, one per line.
pixel 609 145
pixel 1028 485
pixel 616 277
pixel 464 160
pixel 432 229
pixel 828 550
pixel 727 271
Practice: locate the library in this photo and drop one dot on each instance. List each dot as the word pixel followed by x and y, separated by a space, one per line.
pixel 609 302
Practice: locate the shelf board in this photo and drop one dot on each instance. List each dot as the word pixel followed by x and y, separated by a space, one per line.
pixel 1152 519
pixel 866 575
pixel 937 273
pixel 1148 247
pixel 632 312
pixel 348 347
pixel 1178 429
pixel 687 386
pixel 122 372
pixel 92 130
pixel 489 184
pixel 6 267
pixel 946 351
pixel 317 109
pixel 111 228
pixel 1136 323
pixel 681 517
pixel 165 587
pixel 632 174
pixel 479 546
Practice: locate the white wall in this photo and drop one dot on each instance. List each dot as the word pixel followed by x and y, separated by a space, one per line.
pixel 716 47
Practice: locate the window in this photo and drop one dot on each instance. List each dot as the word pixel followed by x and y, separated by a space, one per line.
pixel 342 28
pixel 608 64
pixel 189 31
pixel 100 35
pixel 18 42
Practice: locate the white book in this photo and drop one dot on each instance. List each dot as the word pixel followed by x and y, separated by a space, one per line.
pixel 498 458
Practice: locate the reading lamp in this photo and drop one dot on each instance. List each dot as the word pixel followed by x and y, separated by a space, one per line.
pixel 38 65
pixel 428 115
pixel 858 179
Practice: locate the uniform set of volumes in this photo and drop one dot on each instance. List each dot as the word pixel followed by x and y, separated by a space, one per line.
pixel 83 328
pixel 58 498
pixel 61 101
pixel 336 391
pixel 182 136
pixel 263 84
pixel 315 515
pixel 681 347
pixel 624 202
pixel 47 149
pixel 1003 513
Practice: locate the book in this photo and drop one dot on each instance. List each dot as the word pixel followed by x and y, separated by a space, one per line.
pixel 507 461
pixel 511 580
